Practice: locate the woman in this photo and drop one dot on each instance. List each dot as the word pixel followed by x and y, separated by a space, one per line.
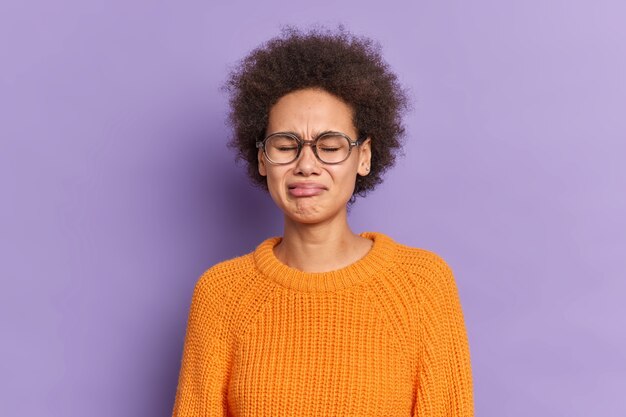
pixel 323 321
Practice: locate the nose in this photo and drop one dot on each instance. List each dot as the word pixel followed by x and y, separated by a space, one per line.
pixel 307 163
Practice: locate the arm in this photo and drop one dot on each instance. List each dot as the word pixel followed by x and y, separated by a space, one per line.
pixel 203 377
pixel 444 373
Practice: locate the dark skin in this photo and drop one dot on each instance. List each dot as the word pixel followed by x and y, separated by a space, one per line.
pixel 342 64
pixel 317 237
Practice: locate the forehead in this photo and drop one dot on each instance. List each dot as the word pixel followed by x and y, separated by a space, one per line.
pixel 310 111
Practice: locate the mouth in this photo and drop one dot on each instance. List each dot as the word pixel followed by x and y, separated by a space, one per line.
pixel 306 189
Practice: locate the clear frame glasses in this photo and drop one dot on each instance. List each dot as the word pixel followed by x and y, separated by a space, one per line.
pixel 283 148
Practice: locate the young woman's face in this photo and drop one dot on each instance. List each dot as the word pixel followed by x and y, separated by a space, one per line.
pixel 308 190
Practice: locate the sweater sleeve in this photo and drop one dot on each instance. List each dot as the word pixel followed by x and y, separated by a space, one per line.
pixel 444 369
pixel 203 377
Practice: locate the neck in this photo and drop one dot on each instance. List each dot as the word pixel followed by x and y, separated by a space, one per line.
pixel 320 247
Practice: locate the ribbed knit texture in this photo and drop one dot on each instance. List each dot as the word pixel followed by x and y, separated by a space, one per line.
pixel 384 336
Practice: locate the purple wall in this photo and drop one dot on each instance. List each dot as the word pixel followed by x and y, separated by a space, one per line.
pixel 118 190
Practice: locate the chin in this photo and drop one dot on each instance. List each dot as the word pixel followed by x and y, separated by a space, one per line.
pixel 312 213
pixel 308 214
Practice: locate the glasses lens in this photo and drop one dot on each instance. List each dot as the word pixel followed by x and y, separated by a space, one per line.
pixel 333 148
pixel 281 148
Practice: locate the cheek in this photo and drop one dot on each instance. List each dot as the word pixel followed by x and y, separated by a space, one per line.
pixel 345 178
pixel 274 182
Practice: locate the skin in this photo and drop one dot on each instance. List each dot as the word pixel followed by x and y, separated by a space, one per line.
pixel 317 237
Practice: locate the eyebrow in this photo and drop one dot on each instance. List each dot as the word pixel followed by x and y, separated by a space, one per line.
pixel 316 135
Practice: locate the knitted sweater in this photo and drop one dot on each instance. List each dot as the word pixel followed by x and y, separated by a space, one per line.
pixel 384 336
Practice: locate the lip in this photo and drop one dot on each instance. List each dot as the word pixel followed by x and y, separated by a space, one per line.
pixel 305 189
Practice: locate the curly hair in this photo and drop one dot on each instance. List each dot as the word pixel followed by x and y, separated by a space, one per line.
pixel 347 66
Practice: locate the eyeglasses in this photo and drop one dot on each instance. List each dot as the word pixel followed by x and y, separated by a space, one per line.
pixel 282 148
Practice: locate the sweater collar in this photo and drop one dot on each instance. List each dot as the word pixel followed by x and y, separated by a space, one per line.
pixel 375 261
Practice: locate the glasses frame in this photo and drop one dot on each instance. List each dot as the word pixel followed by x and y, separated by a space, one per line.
pixel 313 143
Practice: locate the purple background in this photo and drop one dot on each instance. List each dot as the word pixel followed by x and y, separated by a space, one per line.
pixel 118 191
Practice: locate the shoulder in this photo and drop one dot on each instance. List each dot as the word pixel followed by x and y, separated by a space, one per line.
pixel 433 284
pixel 217 294
pixel 222 276
pixel 426 269
pixel 419 258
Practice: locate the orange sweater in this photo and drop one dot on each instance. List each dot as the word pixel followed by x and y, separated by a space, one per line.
pixel 384 336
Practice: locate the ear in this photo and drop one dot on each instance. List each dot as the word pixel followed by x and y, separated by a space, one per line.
pixel 365 157
pixel 262 168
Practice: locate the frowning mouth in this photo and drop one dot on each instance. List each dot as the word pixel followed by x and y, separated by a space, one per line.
pixel 306 189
